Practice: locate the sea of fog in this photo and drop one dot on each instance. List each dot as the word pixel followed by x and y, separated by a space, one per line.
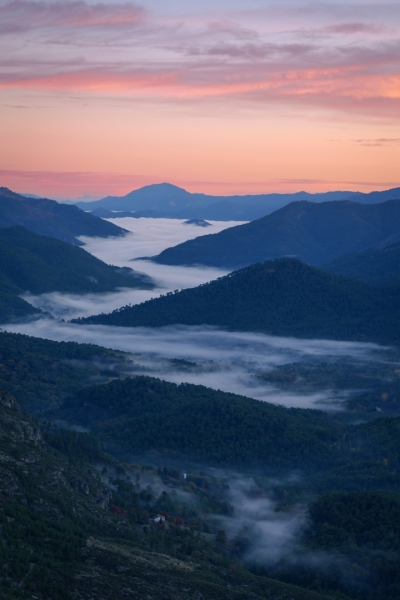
pixel 229 361
pixel 147 237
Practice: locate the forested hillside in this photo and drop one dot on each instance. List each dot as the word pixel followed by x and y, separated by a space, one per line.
pixel 66 533
pixel 40 264
pixel 41 373
pixel 48 217
pixel 145 414
pixel 380 266
pixel 361 529
pixel 284 297
pixel 315 233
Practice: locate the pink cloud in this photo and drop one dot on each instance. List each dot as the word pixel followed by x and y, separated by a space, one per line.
pixel 346 88
pixel 25 15
pixel 167 60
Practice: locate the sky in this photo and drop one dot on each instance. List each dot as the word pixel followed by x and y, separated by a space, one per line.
pixel 222 96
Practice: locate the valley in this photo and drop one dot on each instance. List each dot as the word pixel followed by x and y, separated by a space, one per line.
pixel 199 300
pixel 248 410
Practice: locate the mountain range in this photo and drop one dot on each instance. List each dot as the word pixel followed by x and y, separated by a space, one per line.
pixel 48 217
pixel 40 264
pixel 315 233
pixel 169 201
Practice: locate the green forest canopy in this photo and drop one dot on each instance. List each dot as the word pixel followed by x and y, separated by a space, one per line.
pixel 283 297
pixel 40 264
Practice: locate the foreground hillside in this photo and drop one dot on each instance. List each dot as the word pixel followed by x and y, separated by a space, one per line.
pixel 379 266
pixel 65 535
pixel 48 217
pixel 40 264
pixel 351 472
pixel 314 233
pixel 284 297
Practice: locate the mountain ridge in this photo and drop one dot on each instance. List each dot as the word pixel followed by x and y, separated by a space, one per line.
pixel 48 217
pixel 315 233
pixel 41 264
pixel 175 202
pixel 283 297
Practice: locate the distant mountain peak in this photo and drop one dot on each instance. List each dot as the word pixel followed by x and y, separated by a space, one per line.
pixel 166 189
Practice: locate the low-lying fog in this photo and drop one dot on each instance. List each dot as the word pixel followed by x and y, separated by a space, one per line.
pixel 228 361
pixel 148 238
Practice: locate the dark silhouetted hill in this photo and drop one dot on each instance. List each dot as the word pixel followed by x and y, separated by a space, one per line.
pixel 39 264
pixel 314 233
pixel 284 297
pixel 48 217
pixel 380 266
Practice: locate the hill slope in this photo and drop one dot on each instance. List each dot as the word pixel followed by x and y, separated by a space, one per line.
pixel 284 297
pixel 48 217
pixel 39 264
pixel 193 422
pixel 380 266
pixel 314 233
pixel 144 413
pixel 65 535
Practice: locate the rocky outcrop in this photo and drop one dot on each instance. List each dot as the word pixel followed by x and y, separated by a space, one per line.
pixel 15 425
pixel 7 400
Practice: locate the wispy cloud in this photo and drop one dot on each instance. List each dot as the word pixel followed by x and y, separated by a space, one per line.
pixel 188 59
pixel 247 86
pixel 352 28
pixel 388 142
pixel 26 15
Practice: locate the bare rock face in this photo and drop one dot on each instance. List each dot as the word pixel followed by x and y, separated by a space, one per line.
pixel 7 400
pixel 15 425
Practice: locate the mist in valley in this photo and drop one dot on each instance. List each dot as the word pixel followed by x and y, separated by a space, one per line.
pixel 229 361
pixel 147 237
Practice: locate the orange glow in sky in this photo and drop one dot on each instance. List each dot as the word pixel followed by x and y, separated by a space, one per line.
pixel 221 97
